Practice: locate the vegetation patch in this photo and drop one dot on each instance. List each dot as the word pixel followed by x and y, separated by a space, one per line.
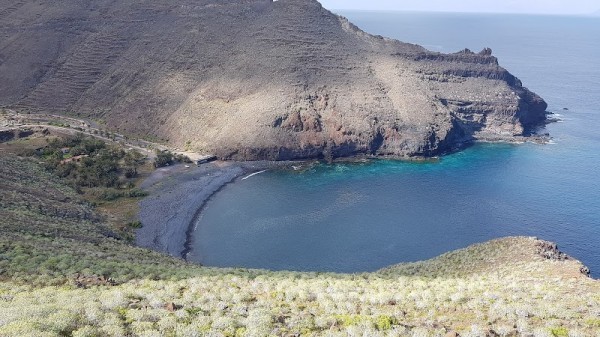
pixel 166 158
pixel 50 233
pixel 559 332
pixel 85 161
pixel 104 174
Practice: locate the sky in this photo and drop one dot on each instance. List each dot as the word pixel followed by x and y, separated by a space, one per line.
pixel 494 6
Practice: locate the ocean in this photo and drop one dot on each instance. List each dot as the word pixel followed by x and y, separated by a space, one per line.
pixel 365 216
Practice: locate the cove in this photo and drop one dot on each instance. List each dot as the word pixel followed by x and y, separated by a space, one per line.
pixel 365 216
pixel 355 217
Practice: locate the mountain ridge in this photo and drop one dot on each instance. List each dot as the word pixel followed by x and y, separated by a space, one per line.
pixel 255 79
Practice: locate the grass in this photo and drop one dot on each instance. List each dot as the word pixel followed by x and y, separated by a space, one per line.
pixel 52 239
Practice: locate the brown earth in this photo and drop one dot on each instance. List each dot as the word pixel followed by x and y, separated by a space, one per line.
pixel 253 79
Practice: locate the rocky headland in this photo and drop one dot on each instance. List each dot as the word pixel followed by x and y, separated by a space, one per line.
pixel 254 79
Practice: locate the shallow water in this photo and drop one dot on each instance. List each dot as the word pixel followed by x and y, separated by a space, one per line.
pixel 364 216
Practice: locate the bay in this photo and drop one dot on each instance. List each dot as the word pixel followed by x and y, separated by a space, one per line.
pixel 365 216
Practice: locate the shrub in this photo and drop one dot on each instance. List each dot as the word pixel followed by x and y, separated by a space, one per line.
pixel 136 193
pixel 559 332
pixel 384 322
pixel 135 224
pixel 163 158
pixel 183 159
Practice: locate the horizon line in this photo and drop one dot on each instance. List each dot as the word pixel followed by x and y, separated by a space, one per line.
pixel 591 14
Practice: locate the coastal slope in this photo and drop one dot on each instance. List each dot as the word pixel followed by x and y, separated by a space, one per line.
pixel 254 79
pixel 64 273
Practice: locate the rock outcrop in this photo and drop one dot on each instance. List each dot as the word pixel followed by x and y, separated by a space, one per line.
pixel 550 251
pixel 253 79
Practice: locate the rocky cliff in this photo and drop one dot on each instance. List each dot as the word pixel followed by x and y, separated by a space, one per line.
pixel 253 79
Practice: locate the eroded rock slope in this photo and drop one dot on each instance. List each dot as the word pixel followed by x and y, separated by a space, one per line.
pixel 253 79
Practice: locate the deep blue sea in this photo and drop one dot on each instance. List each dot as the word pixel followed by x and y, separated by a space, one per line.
pixel 362 217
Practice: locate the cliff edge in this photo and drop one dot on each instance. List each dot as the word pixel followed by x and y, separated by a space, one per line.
pixel 254 79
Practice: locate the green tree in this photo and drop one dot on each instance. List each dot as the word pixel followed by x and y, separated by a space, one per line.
pixel 133 160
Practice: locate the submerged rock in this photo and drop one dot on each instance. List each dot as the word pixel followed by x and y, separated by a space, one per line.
pixel 256 79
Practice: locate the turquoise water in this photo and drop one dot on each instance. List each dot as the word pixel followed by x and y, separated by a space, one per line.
pixel 365 216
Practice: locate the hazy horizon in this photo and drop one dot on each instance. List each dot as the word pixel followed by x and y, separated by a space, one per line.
pixel 571 7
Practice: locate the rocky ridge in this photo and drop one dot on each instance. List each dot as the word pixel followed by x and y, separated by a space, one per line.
pixel 254 79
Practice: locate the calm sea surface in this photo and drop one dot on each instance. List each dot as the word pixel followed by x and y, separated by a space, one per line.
pixel 362 217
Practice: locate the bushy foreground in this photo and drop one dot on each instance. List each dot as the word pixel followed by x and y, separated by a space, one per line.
pixel 500 288
pixel 531 296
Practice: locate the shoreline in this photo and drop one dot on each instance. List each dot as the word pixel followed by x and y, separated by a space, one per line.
pixel 187 245
pixel 178 195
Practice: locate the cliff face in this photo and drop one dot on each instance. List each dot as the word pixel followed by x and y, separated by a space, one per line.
pixel 253 79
